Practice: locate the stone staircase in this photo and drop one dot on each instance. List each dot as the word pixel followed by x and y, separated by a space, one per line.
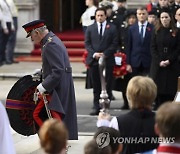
pixel 133 4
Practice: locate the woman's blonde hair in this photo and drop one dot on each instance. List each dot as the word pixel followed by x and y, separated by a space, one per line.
pixel 141 92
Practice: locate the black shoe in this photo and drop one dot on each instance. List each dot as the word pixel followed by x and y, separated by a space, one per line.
pixel 1 64
pixel 95 112
pixel 124 107
pixel 9 62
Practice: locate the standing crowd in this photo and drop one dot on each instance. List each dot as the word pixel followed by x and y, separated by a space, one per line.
pixel 149 36
pixel 8 30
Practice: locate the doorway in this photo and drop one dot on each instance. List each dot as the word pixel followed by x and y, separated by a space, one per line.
pixel 61 15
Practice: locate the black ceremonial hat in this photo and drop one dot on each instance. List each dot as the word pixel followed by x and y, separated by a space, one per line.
pixel 29 27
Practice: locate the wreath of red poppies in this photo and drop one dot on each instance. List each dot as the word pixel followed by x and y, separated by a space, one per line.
pixel 120 70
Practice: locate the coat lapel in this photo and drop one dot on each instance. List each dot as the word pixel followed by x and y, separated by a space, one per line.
pixel 96 30
pixel 148 30
pixel 105 31
pixel 137 32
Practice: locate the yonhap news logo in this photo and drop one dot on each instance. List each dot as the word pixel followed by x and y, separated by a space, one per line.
pixel 103 140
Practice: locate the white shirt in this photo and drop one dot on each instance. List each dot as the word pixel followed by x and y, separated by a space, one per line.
pixel 144 27
pixel 86 16
pixel 6 15
pixel 178 24
pixel 12 7
pixel 113 123
pixel 103 27
pixel 6 141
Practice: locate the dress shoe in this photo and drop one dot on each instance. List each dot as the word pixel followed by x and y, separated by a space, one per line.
pixel 95 112
pixel 8 62
pixel 1 63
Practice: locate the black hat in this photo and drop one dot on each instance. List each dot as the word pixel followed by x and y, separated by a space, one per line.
pixel 152 13
pixel 29 27
pixel 163 10
pixel 120 0
pixel 130 13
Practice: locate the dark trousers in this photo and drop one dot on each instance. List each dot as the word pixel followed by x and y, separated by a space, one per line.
pixel 11 43
pixel 141 70
pixel 40 106
pixel 3 42
pixel 160 99
pixel 94 71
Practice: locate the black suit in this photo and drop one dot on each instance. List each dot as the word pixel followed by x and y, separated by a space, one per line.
pixel 107 45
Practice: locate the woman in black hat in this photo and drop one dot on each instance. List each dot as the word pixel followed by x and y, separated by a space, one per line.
pixel 120 84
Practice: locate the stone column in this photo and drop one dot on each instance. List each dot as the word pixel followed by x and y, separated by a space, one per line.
pixel 28 10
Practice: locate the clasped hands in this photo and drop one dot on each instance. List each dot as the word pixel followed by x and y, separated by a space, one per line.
pixel 164 63
pixel 97 55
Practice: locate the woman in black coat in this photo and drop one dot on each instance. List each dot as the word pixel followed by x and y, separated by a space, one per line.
pixel 120 84
pixel 165 48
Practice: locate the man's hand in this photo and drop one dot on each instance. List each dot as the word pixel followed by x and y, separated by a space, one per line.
pixel 104 116
pixel 164 63
pixel 41 89
pixel 6 31
pixel 97 55
pixel 129 68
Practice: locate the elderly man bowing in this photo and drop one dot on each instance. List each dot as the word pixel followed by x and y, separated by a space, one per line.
pixel 57 83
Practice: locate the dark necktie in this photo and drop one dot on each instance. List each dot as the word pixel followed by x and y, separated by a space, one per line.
pixel 142 32
pixel 100 32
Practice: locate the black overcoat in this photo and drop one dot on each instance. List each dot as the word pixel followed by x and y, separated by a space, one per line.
pixel 165 45
pixel 57 80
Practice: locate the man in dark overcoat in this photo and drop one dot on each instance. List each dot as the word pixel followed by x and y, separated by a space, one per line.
pixel 57 80
pixel 101 40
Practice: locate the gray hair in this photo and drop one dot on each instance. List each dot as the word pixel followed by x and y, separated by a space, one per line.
pixel 40 29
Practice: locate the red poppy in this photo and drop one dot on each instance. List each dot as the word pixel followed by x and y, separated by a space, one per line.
pixel 148 29
pixel 173 34
pixel 107 26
